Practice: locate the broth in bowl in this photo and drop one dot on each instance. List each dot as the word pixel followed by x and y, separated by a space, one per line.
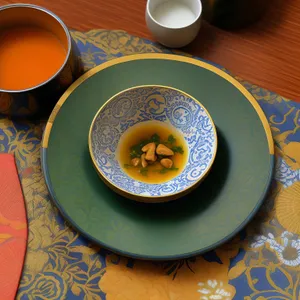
pixel 152 152
pixel 29 56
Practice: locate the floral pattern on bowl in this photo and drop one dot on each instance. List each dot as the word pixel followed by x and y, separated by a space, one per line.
pixel 152 103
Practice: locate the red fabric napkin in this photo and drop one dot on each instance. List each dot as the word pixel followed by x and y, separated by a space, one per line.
pixel 13 228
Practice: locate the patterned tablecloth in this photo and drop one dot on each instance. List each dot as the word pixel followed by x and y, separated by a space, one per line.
pixel 262 262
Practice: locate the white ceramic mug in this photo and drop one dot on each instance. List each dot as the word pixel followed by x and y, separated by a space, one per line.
pixel 174 23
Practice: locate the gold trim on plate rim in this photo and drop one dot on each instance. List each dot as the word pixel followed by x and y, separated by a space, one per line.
pixel 173 57
pixel 151 199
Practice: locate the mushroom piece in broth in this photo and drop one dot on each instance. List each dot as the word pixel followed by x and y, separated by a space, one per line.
pixel 152 152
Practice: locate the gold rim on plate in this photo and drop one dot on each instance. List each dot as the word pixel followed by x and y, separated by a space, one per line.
pixel 171 57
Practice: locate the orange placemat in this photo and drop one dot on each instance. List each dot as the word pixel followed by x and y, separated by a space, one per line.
pixel 13 228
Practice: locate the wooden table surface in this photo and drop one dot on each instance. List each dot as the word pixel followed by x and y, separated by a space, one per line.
pixel 266 54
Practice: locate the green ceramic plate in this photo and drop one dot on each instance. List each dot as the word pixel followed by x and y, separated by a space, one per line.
pixel 218 209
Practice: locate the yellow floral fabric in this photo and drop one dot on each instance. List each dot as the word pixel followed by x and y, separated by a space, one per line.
pixel 262 262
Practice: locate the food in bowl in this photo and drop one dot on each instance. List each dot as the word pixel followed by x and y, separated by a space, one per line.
pixel 152 152
pixel 150 113
pixel 38 59
pixel 29 56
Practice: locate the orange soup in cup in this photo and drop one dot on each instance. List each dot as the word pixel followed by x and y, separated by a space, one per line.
pixel 29 56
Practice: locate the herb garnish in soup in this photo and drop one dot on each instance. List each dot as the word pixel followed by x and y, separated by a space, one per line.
pixel 152 152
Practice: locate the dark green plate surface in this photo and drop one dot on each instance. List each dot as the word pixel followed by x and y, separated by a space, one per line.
pixel 218 209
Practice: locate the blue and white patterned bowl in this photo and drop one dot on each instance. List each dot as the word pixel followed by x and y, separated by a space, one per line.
pixel 146 103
